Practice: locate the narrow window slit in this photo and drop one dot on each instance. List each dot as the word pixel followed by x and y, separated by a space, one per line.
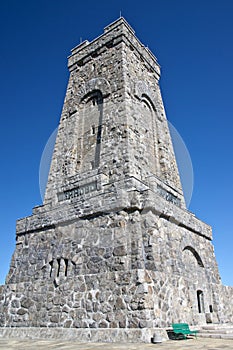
pixel 66 266
pixel 51 268
pixel 58 267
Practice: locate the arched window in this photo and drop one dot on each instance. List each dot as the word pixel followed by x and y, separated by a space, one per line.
pixel 196 255
pixel 92 119
pixel 148 139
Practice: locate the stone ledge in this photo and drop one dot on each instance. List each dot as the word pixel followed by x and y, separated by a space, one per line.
pixel 112 335
pixel 113 202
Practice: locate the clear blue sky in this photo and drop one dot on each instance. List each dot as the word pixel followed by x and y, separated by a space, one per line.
pixel 193 41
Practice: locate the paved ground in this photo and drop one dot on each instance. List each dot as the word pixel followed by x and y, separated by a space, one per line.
pixel 190 344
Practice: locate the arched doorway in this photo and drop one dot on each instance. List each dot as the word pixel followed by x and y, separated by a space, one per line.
pixel 200 301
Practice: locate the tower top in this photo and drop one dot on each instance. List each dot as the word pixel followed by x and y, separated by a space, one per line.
pixel 116 32
pixel 121 20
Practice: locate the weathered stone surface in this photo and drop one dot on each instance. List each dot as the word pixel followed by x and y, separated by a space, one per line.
pixel 26 303
pixel 21 311
pixel 120 304
pixel 113 251
pixel 120 251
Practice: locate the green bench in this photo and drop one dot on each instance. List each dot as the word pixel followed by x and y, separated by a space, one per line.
pixel 183 328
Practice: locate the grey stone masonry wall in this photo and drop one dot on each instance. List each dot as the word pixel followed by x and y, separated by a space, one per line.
pixel 127 121
pixel 113 246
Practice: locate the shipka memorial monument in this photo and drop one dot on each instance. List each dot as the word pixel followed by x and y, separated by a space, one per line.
pixel 113 253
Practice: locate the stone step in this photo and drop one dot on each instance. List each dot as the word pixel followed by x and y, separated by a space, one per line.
pixel 216 335
pixel 217 331
pixel 217 326
pixel 221 331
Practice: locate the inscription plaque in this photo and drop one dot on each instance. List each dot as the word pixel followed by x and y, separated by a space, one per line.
pixel 168 196
pixel 77 191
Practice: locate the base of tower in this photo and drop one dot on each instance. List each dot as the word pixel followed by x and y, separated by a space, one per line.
pixel 114 335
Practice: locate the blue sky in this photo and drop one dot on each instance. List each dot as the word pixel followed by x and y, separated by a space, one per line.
pixel 193 41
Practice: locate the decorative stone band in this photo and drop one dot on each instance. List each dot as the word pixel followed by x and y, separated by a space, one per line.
pixel 77 191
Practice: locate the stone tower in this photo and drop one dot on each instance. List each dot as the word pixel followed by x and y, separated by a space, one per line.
pixel 113 253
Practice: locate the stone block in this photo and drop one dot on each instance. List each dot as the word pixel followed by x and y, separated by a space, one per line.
pixel 21 311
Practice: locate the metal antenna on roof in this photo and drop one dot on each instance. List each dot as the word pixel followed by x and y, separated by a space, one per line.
pixel 120 14
pixel 81 40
